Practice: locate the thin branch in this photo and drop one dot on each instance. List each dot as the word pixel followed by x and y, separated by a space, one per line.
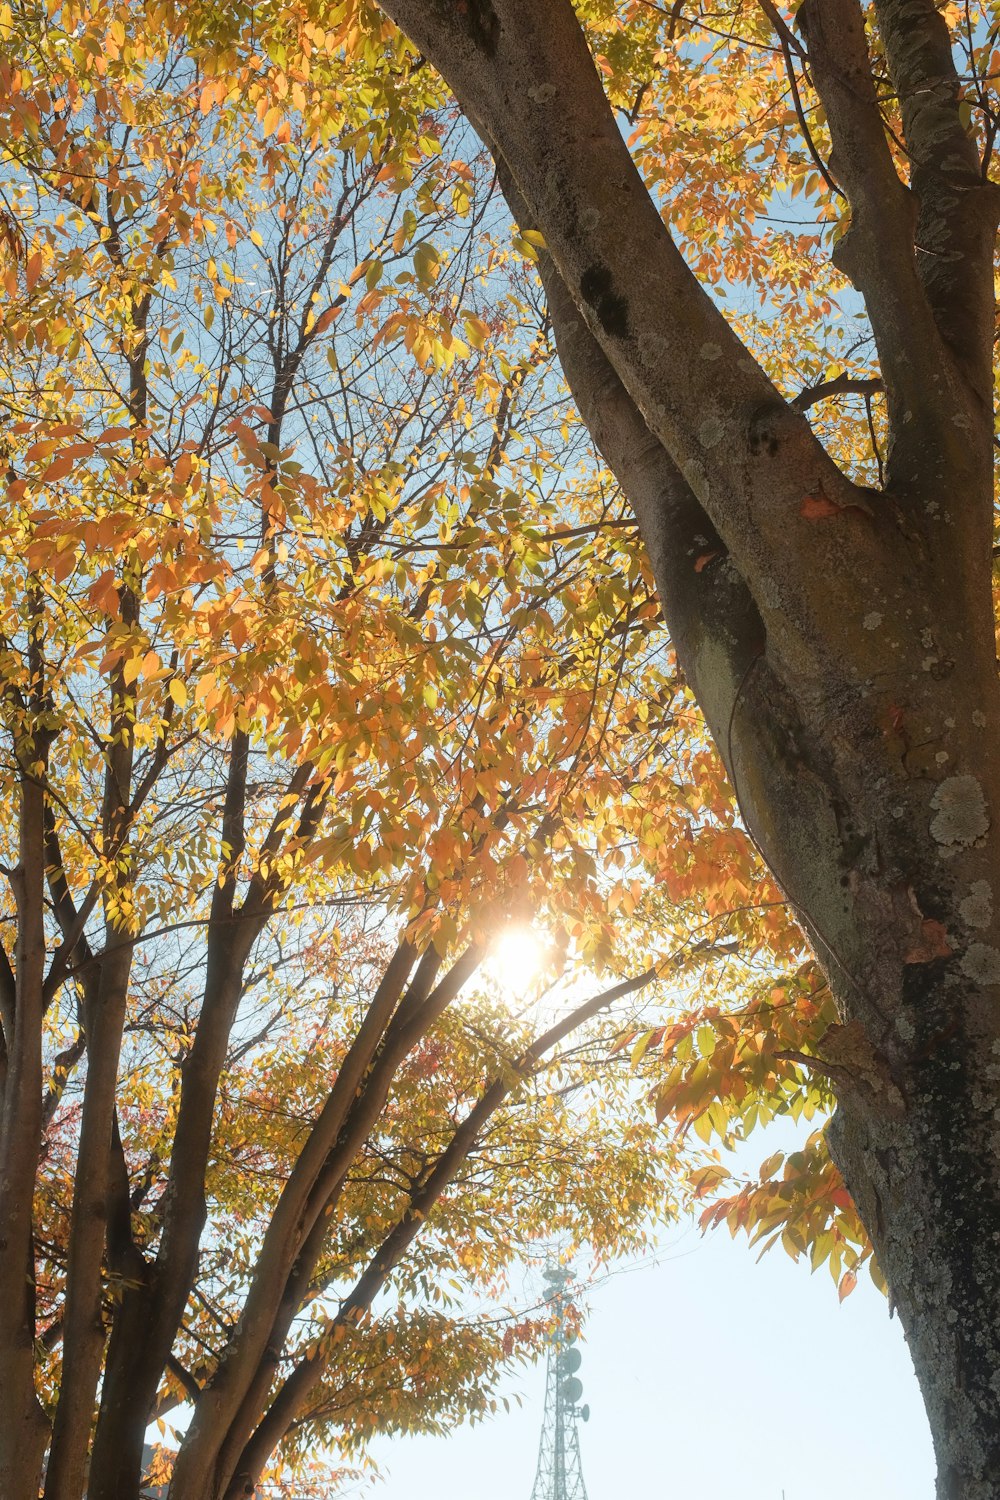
pixel 788 41
pixel 840 385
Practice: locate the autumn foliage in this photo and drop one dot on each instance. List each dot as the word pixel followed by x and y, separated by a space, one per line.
pixel 310 641
pixel 329 656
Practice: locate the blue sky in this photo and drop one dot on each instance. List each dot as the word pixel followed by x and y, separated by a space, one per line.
pixel 708 1375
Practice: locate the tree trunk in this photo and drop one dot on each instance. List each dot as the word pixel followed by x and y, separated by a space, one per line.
pixel 871 792
pixel 926 1186
pixel 892 872
pixel 840 640
pixel 25 1430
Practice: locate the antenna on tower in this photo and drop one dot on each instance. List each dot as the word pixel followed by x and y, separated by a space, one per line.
pixel 559 1475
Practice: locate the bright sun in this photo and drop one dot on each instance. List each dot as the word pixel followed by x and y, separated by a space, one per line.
pixel 518 959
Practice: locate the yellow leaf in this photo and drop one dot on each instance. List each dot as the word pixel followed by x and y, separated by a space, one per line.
pixel 476 331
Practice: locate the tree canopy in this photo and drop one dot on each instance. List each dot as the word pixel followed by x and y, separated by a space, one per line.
pixel 330 658
pixel 368 393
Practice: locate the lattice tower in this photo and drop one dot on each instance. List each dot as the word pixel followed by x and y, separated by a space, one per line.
pixel 559 1475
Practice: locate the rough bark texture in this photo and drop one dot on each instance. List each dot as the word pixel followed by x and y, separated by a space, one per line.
pixel 840 640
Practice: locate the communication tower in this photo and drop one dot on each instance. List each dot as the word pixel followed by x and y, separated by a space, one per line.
pixel 559 1475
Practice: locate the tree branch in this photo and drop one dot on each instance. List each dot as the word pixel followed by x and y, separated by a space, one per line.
pixel 710 614
pixel 877 250
pixel 525 74
pixel 840 385
pixel 105 1001
pixel 957 214
pixel 344 1124
pixel 291 1398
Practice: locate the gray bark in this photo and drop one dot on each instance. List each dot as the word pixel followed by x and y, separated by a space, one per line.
pixel 844 660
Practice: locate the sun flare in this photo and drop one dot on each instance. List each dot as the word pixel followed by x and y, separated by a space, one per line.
pixel 518 959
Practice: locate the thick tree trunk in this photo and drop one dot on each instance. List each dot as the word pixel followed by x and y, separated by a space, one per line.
pixel 891 863
pixel 24 1431
pixel 839 640
pixel 926 1185
pixel 873 791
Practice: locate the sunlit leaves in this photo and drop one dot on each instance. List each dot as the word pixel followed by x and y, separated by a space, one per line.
pixel 293 488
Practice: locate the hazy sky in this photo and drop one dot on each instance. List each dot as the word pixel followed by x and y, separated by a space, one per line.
pixel 709 1377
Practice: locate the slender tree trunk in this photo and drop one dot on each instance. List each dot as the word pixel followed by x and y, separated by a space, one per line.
pixel 23 1425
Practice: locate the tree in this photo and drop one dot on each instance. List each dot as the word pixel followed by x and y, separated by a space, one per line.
pixel 325 660
pixel 833 614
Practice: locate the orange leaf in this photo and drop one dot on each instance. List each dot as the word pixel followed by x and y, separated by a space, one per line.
pixel 819 507
pixel 932 943
pixel 60 466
